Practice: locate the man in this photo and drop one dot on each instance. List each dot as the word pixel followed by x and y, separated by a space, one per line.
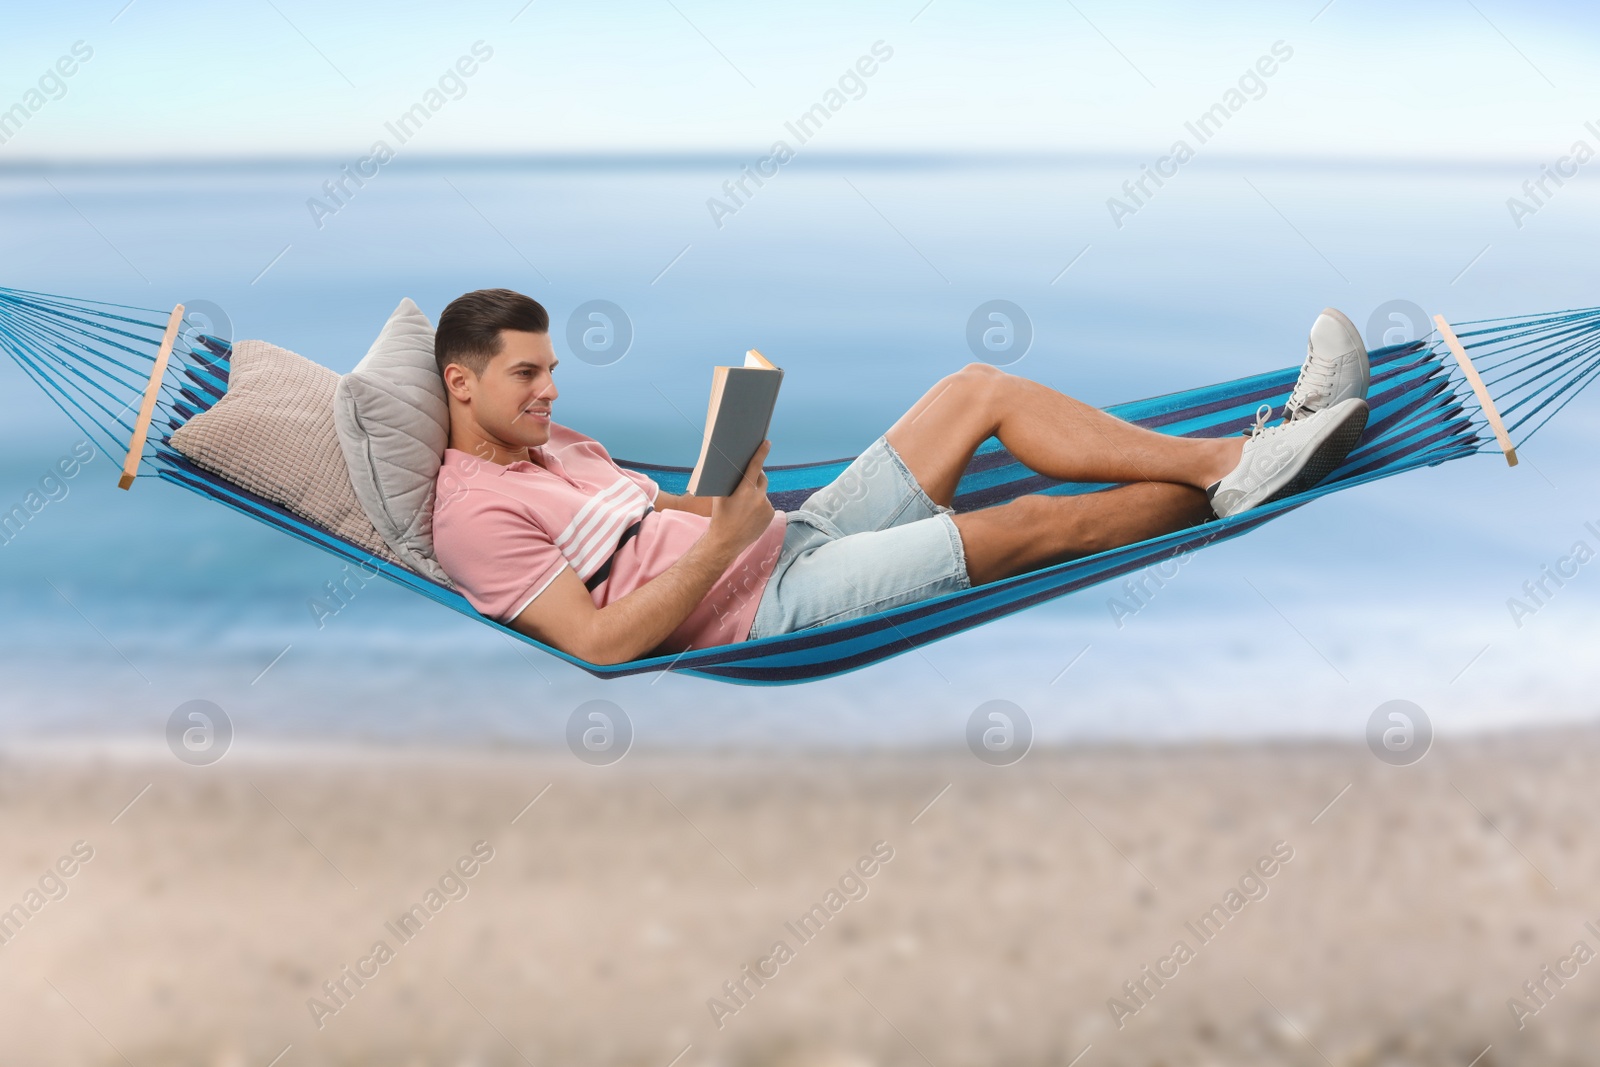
pixel 542 531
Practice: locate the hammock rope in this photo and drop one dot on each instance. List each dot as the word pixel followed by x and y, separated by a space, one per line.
pixel 94 360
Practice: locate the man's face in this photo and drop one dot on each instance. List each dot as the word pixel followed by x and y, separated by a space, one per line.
pixel 511 400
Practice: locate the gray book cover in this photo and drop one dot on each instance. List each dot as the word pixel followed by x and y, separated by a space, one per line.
pixel 737 420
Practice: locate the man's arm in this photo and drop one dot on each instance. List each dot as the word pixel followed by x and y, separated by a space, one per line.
pixel 564 614
pixel 700 505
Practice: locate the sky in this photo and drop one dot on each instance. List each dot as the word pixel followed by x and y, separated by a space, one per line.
pixel 1436 80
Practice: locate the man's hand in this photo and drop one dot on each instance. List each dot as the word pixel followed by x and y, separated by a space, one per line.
pixel 739 519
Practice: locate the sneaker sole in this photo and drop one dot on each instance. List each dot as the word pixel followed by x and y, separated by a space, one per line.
pixel 1326 456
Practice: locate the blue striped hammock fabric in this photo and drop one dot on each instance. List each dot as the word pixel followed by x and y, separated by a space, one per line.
pixel 95 361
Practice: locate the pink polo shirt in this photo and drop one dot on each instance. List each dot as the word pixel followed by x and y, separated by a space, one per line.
pixel 504 532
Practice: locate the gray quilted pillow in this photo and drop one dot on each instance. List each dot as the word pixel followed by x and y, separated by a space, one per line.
pixel 272 433
pixel 393 423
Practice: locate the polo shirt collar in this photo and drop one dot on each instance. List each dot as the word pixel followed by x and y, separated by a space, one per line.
pixel 548 462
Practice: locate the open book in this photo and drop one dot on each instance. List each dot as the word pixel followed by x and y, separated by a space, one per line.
pixel 742 399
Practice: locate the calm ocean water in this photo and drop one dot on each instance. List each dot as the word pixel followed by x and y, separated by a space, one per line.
pixel 858 276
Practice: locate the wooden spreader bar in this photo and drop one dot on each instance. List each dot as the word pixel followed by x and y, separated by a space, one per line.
pixel 147 409
pixel 1485 401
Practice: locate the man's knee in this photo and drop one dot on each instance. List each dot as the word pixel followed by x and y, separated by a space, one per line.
pixel 981 372
pixel 976 383
pixel 973 376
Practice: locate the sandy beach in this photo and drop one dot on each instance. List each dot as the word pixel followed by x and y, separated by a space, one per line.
pixel 933 910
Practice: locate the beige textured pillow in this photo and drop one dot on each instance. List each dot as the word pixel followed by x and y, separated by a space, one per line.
pixel 272 433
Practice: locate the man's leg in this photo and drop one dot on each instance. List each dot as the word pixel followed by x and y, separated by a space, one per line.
pixel 1046 431
pixel 1036 531
pixel 1062 438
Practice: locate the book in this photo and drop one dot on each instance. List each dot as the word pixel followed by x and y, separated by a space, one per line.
pixel 737 419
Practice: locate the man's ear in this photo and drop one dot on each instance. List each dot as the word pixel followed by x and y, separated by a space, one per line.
pixel 458 382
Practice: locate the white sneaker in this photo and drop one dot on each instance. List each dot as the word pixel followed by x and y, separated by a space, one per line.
pixel 1335 369
pixel 1289 458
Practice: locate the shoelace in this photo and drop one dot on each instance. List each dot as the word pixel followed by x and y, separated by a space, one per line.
pixel 1263 413
pixel 1316 382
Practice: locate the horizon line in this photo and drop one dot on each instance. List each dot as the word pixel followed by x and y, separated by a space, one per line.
pixel 707 158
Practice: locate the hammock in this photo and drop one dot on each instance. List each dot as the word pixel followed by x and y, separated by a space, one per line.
pixel 100 362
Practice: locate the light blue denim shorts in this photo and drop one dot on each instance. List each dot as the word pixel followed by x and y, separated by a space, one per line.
pixel 868 541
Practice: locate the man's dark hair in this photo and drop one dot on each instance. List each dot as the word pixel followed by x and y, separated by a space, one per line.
pixel 469 329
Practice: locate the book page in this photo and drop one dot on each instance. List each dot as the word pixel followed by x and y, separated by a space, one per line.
pixel 719 379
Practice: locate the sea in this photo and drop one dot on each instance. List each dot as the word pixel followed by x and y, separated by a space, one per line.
pixel 862 276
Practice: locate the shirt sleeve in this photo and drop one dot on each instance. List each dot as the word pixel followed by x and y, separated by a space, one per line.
pixel 498 556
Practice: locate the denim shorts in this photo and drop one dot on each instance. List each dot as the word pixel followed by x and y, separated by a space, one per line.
pixel 868 541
